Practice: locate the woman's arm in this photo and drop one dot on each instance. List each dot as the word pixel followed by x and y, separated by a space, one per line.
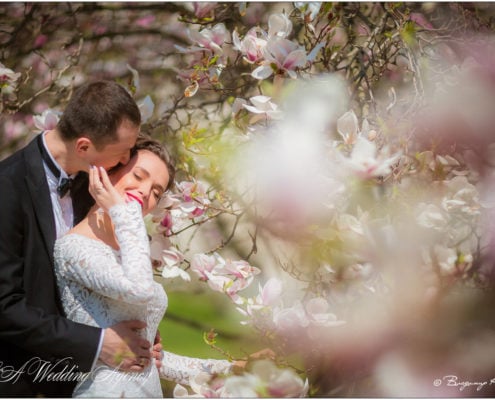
pixel 180 368
pixel 95 267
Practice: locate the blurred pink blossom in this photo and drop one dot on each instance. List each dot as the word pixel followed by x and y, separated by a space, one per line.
pixel 366 163
pixel 7 76
pixel 266 380
pixel 203 9
pixel 145 21
pixel 40 41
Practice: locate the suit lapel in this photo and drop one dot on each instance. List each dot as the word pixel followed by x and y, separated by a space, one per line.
pixel 40 195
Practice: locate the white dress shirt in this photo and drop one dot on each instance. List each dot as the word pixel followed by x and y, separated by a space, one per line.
pixel 63 212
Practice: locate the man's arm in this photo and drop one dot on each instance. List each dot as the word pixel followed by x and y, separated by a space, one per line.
pixel 30 327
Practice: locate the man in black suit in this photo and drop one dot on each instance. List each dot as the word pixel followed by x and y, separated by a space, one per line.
pixel 38 203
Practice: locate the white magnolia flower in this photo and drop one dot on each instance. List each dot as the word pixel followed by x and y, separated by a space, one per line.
pixel 431 216
pixel 146 106
pixel 48 120
pixel 465 198
pixel 263 105
pixel 266 380
pixel 135 77
pixel 172 257
pixel 310 8
pixel 8 78
pixel 365 161
pixel 317 311
pixel 447 259
pixel 348 127
pixel 175 272
pixel 279 25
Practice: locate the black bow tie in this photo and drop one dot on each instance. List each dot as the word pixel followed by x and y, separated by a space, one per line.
pixel 65 183
pixel 64 186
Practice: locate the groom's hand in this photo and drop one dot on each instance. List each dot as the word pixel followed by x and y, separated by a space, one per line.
pixel 124 349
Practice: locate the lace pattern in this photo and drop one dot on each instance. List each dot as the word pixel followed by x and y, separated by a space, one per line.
pixel 100 286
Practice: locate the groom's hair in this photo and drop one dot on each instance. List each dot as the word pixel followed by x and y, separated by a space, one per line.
pixel 145 142
pixel 96 111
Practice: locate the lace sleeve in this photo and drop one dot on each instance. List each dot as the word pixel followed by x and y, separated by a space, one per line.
pixel 180 368
pixel 132 279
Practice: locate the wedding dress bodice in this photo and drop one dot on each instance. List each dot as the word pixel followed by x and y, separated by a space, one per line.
pixel 101 286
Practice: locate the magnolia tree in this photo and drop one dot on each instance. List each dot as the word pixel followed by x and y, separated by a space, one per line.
pixel 335 168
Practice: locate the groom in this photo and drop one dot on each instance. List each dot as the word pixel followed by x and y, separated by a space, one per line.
pixel 43 194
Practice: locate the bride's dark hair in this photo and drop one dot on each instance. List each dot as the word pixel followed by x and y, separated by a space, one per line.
pixel 145 142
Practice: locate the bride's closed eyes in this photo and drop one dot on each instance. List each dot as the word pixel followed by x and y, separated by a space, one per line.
pixel 144 178
pixel 141 173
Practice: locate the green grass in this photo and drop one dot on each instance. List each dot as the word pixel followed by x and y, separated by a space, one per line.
pixel 190 315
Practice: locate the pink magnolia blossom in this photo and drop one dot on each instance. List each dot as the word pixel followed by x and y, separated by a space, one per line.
pixel 203 264
pixel 194 198
pixel 284 55
pixel 270 292
pixel 211 39
pixel 267 296
pixel 47 120
pixel 8 78
pixel 172 257
pixel 203 9
pixel 166 223
pixel 289 319
pixel 239 269
pixel 40 41
pixel 421 20
pixel 252 45
pixel 228 277
pixel 204 385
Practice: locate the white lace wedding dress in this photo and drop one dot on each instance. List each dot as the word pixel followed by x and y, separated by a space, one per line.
pixel 100 286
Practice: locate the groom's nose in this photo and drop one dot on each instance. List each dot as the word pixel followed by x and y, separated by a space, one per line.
pixel 125 158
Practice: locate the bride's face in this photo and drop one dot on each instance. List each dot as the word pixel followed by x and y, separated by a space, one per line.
pixel 143 179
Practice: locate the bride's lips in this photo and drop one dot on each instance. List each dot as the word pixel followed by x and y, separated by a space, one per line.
pixel 133 197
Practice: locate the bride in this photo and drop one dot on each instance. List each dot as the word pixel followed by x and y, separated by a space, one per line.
pixel 104 272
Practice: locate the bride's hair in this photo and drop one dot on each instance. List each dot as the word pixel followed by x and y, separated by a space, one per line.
pixel 145 142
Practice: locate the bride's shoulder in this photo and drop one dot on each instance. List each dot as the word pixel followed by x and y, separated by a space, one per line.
pixel 74 241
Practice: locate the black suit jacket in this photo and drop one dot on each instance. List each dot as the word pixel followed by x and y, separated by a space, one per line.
pixel 32 322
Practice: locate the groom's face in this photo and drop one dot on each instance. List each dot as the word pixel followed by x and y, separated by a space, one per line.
pixel 119 151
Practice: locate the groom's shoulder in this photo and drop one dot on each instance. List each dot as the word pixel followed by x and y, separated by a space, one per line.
pixel 16 162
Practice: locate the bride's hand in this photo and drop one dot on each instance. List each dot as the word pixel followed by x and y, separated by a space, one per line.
pixel 102 189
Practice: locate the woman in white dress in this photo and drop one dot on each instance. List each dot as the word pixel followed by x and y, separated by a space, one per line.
pixel 104 272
